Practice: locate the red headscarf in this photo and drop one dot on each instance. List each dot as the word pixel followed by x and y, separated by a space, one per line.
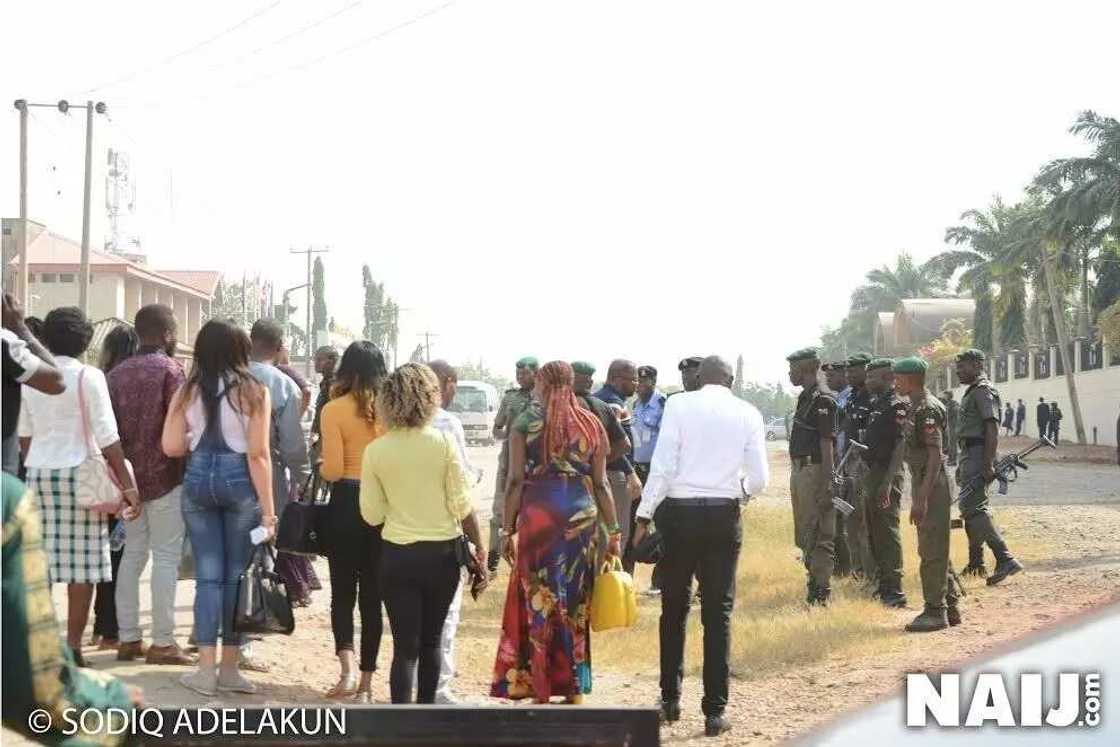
pixel 566 420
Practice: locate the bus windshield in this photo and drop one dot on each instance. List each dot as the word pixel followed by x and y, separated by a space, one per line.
pixel 469 400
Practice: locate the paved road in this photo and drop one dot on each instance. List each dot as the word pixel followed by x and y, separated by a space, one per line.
pixel 1056 483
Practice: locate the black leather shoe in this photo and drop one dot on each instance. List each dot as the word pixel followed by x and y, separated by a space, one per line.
pixel 716 725
pixel 670 711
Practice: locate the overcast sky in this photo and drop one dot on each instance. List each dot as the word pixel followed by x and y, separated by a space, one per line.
pixel 566 179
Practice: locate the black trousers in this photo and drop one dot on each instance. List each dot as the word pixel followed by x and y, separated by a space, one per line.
pixel 354 559
pixel 419 581
pixel 105 603
pixel 705 541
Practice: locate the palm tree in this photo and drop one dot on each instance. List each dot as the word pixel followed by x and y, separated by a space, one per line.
pixel 996 285
pixel 1085 194
pixel 885 287
pixel 1042 233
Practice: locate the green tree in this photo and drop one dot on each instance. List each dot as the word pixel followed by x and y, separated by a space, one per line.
pixel 996 284
pixel 1107 269
pixel 771 399
pixel 319 299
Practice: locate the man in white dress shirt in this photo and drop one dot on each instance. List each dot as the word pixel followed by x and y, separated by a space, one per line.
pixel 710 452
pixel 449 423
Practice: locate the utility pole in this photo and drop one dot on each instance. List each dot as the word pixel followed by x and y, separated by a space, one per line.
pixel 428 343
pixel 307 332
pixel 284 303
pixel 63 106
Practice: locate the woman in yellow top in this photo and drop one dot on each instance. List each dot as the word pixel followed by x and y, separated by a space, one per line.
pixel 348 425
pixel 414 487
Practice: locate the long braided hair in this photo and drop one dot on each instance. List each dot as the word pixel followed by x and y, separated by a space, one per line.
pixel 566 420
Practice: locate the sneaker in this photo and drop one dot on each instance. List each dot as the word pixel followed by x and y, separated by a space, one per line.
pixel 444 697
pixel 251 663
pixel 233 682
pixel 204 682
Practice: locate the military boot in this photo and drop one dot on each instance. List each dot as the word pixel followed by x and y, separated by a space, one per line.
pixel 822 597
pixel 1006 564
pixel 810 591
pixel 890 594
pixel 975 565
pixel 953 613
pixel 932 619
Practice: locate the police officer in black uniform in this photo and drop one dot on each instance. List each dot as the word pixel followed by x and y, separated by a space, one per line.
pixel 854 419
pixel 886 450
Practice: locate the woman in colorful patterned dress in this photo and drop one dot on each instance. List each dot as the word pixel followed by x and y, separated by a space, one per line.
pixel 557 463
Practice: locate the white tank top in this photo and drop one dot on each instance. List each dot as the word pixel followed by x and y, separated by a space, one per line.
pixel 235 426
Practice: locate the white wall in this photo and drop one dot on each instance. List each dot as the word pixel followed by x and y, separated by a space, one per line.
pixel 106 297
pixel 1099 392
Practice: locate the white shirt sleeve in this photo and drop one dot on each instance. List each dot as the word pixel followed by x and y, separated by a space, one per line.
pixel 755 464
pixel 666 461
pixel 99 407
pixel 460 438
pixel 22 356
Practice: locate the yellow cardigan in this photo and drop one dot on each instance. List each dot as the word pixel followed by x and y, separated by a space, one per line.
pixel 414 484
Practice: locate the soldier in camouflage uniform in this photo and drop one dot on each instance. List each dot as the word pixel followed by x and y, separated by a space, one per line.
pixel 514 402
pixel 930 497
pixel 978 434
pixel 857 411
pixel 811 444
pixel 883 486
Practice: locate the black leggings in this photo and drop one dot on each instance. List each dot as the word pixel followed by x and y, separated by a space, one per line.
pixel 355 553
pixel 419 582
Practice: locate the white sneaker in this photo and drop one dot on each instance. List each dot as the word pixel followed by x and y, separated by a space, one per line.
pixel 444 697
pixel 202 681
pixel 235 683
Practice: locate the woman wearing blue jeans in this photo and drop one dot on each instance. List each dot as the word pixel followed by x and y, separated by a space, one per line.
pixel 221 419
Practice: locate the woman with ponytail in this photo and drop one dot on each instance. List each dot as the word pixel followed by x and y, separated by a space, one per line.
pixel 557 489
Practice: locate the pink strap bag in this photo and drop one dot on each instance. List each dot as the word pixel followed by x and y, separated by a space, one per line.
pixel 98 489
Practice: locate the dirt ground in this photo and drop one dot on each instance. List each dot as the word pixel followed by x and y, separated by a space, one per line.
pixel 1073 561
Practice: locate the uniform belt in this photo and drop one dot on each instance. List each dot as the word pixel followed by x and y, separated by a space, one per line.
pixel 972 441
pixel 702 502
pixel 801 461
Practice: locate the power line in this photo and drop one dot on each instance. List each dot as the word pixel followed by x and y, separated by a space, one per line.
pixel 288 37
pixel 189 50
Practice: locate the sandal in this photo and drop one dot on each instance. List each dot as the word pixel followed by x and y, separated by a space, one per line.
pixel 346 686
pixel 363 697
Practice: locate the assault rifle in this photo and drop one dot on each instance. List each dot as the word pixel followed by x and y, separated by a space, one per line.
pixel 1006 471
pixel 840 480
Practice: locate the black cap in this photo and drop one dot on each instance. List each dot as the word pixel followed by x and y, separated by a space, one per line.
pixel 692 361
pixel 647 372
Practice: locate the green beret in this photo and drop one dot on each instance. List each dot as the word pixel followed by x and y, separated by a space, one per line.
pixel 858 359
pixel 528 362
pixel 583 367
pixel 804 354
pixel 911 365
pixel 972 354
pixel 880 363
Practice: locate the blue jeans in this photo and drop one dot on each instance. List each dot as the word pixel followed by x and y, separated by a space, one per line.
pixel 220 508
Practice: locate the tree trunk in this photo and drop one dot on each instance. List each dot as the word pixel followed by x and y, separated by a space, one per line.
pixel 1048 261
pixel 1083 312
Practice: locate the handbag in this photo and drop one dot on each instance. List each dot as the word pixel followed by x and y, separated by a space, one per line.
pixel 302 522
pixel 263 605
pixel 614 602
pixel 97 487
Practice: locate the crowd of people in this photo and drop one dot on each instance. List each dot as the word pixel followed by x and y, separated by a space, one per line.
pixel 206 454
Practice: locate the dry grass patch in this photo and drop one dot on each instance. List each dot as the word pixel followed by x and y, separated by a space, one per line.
pixel 772 627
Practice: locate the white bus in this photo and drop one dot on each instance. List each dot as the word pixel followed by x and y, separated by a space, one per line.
pixel 476 404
